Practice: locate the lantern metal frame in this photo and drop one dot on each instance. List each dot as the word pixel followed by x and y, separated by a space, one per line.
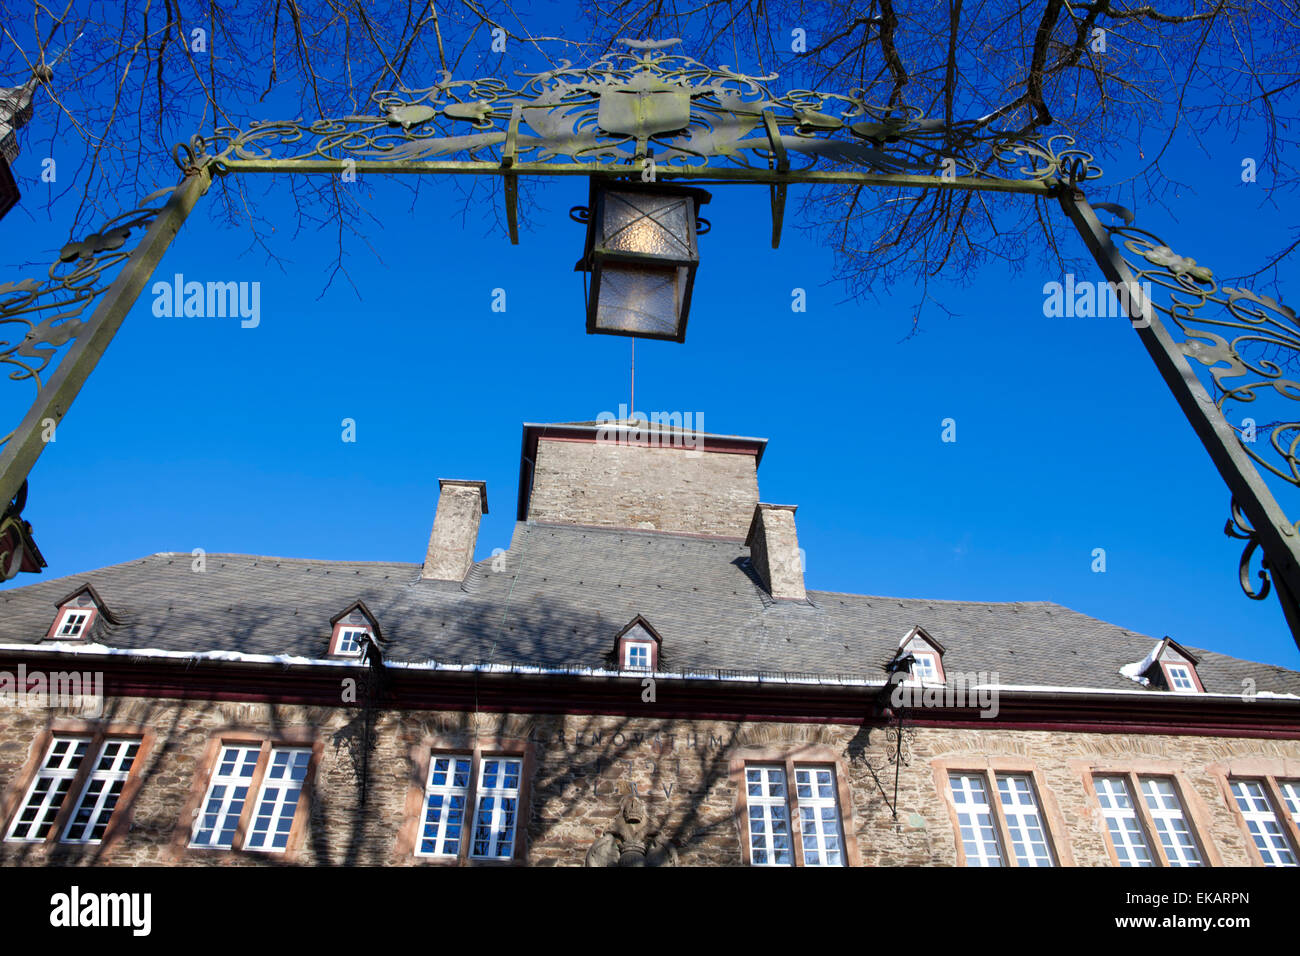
pixel 598 257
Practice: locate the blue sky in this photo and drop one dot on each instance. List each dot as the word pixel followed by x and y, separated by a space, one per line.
pixel 197 433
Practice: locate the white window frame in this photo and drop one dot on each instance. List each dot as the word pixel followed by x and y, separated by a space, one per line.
pixel 981 842
pixel 1290 790
pixel 501 820
pixel 448 791
pixel 1023 817
pixel 230 802
pixel 102 790
pixel 822 834
pixel 283 804
pixel 82 626
pixel 1173 829
pixel 1266 831
pixel 1180 674
pixel 1124 826
pixel 629 646
pixel 352 634
pixel 925 668
pixel 58 777
pixel 773 814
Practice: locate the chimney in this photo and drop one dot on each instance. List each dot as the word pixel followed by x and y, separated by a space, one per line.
pixel 455 529
pixel 774 551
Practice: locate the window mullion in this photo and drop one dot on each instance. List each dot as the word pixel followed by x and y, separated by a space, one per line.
pixel 994 798
pixel 80 781
pixel 471 804
pixel 1139 799
pixel 254 794
pixel 792 811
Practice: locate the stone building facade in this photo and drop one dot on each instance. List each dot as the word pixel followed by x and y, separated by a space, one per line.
pixel 642 669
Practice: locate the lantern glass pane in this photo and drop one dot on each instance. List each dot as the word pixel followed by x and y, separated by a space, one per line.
pixel 648 224
pixel 643 300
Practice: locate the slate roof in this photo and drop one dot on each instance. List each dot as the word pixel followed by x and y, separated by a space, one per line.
pixel 561 593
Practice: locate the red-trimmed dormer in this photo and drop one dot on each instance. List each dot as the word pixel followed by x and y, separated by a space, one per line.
pixel 1172 667
pixel 351 627
pixel 77 614
pixel 926 654
pixel 636 647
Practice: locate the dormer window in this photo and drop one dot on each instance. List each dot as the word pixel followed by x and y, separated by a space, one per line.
pixel 636 647
pixel 636 655
pixel 354 627
pixel 76 615
pixel 350 641
pixel 1169 666
pixel 1180 678
pixel 927 657
pixel 73 624
pixel 925 667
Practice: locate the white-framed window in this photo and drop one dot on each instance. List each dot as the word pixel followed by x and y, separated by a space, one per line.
pixel 101 792
pixel 47 792
pixel 1265 829
pixel 979 834
pixel 1122 822
pixel 1024 823
pixel 350 641
pixel 925 667
pixel 769 816
pixel 819 816
pixel 73 624
pixel 1171 824
pixel 446 793
pixel 1180 678
pixel 278 801
pixel 223 804
pixel 636 655
pixel 1291 794
pixel 497 808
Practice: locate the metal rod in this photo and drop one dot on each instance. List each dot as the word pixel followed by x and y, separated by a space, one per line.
pixel 1274 532
pixel 55 397
pixel 665 173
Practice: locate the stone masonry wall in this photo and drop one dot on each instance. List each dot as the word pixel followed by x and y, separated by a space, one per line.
pixel 583 766
pixel 614 485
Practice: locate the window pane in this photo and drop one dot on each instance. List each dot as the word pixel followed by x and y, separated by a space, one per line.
pixel 769 817
pixel 1171 824
pixel 445 797
pixel 1024 823
pixel 1265 828
pixel 974 815
pixel 1122 823
pixel 219 813
pixel 278 801
pixel 45 796
pixel 103 787
pixel 819 816
pixel 496 817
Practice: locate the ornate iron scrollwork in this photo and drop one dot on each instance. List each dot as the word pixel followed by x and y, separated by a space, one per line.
pixel 1250 343
pixel 38 317
pixel 627 106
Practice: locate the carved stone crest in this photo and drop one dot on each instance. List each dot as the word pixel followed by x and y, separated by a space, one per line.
pixel 631 841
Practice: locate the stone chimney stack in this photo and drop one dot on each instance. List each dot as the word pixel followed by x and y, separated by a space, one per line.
pixel 774 551
pixel 455 529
